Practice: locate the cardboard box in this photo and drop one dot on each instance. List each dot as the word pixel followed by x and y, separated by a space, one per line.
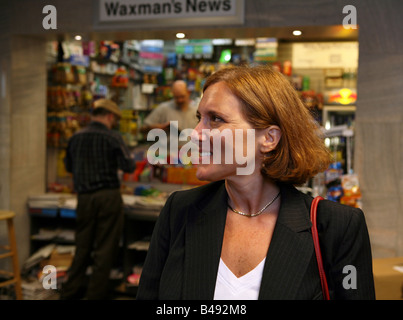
pixel 61 260
pixel 388 280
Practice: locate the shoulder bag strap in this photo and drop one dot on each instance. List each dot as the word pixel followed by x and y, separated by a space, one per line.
pixel 315 237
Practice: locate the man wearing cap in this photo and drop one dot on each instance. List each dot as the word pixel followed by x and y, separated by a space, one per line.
pixel 93 156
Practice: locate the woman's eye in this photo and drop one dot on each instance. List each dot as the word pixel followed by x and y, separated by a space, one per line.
pixel 212 118
pixel 217 119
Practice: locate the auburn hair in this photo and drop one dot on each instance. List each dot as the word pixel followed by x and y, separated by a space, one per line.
pixel 268 98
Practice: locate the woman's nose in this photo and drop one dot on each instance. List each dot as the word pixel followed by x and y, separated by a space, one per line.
pixel 198 134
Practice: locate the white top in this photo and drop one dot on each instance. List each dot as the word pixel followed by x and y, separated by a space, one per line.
pixel 229 287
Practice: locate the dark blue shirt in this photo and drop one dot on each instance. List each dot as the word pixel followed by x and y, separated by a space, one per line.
pixel 94 155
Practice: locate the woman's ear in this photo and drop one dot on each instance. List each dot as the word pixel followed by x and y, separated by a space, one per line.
pixel 270 138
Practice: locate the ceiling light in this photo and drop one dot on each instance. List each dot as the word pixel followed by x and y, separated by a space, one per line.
pixel 180 35
pixel 77 37
pixel 297 33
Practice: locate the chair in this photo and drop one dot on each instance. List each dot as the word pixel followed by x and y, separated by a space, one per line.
pixel 11 251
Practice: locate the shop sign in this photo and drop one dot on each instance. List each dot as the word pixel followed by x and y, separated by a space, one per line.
pixel 79 60
pixel 151 57
pixel 344 96
pixel 266 50
pixel 194 48
pixel 245 42
pixel 171 12
pixel 343 54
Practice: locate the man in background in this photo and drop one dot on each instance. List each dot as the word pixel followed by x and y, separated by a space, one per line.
pixel 181 108
pixel 93 156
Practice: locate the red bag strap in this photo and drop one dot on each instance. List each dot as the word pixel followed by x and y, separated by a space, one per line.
pixel 323 281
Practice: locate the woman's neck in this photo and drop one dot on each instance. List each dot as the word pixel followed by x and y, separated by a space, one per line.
pixel 250 194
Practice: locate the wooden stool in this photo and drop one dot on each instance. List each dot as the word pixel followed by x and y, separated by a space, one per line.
pixel 11 252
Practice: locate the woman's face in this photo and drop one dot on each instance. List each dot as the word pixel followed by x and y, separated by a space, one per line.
pixel 226 141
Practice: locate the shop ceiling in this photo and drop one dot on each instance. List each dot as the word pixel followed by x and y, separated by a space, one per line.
pixel 309 33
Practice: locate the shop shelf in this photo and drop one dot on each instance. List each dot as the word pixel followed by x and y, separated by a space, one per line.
pixel 48 212
pixel 68 213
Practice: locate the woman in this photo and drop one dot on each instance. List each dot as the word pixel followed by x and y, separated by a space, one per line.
pixel 247 236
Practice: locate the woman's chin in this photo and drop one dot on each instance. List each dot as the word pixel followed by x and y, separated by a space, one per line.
pixel 207 173
pixel 203 175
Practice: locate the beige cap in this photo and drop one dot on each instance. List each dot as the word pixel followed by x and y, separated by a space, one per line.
pixel 108 105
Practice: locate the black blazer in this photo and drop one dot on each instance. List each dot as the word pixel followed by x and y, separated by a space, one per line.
pixel 183 258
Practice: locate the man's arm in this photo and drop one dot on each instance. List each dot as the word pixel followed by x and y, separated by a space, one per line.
pixel 68 162
pixel 125 161
pixel 157 119
pixel 145 128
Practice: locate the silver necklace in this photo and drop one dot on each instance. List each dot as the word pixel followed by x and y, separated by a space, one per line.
pixel 257 213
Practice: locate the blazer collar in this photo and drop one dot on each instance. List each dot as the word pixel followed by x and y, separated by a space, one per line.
pixel 294 213
pixel 204 237
pixel 288 256
pixel 290 249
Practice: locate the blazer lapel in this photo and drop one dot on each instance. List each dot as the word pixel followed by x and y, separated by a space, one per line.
pixel 290 250
pixel 204 236
pixel 288 257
